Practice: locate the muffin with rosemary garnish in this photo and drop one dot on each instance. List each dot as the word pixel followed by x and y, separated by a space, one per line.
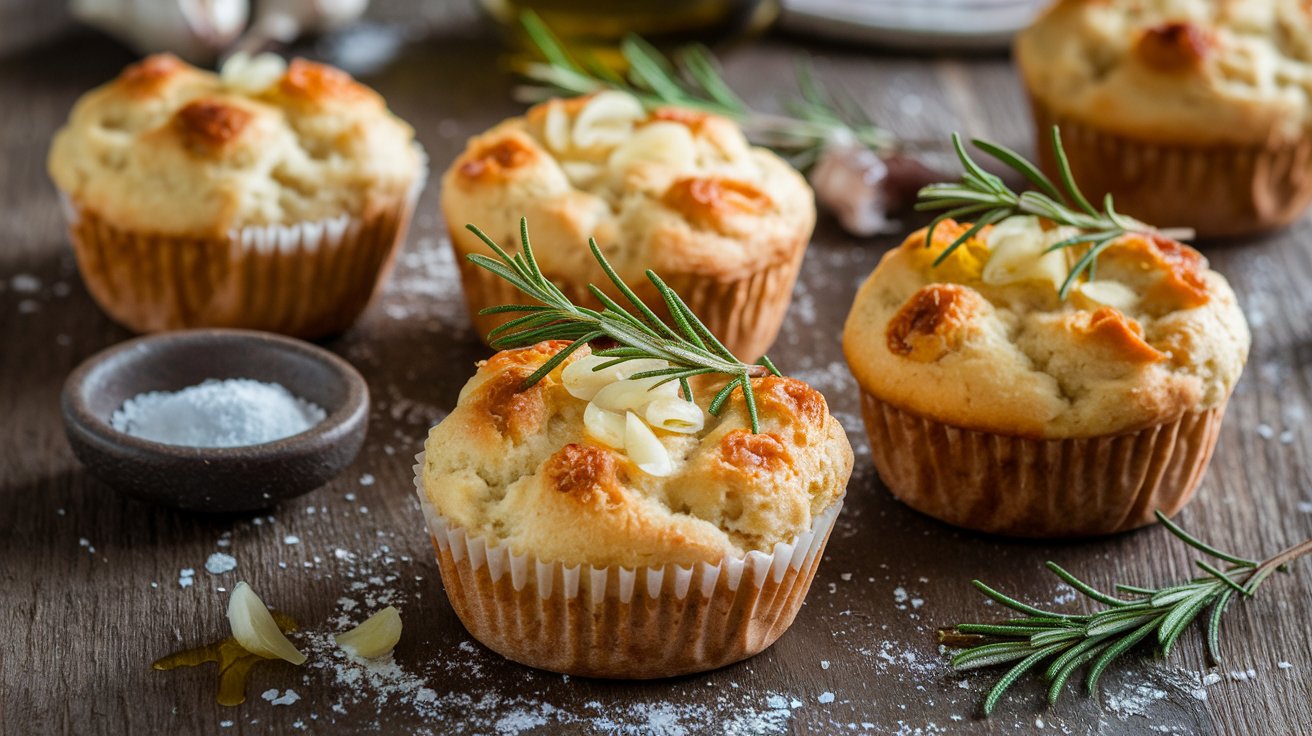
pixel 1193 114
pixel 670 189
pixel 270 196
pixel 592 520
pixel 1009 387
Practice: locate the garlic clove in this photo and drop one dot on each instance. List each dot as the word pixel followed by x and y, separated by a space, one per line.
pixel 674 414
pixel 243 72
pixel 633 394
pixel 670 144
pixel 254 628
pixel 1017 253
pixel 607 119
pixel 580 173
pixel 582 381
pixel 645 448
pixel 555 128
pixel 605 426
pixel 1094 294
pixel 374 638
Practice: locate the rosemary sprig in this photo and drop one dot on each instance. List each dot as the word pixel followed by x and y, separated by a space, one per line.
pixel 1070 642
pixel 818 117
pixel 988 200
pixel 688 346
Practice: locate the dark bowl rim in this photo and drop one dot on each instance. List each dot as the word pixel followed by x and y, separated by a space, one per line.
pixel 78 416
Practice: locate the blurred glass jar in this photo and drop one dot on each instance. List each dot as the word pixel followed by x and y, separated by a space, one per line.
pixel 600 25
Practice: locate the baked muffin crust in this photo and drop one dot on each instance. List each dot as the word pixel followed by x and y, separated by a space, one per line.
pixel 1156 335
pixel 675 190
pixel 520 468
pixel 171 149
pixel 1176 71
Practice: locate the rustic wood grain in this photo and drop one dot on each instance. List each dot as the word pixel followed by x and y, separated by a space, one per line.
pixel 90 579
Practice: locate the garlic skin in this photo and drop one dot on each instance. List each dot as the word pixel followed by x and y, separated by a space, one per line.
pixel 376 637
pixel 196 30
pixel 1018 253
pixel 252 75
pixel 254 628
pixel 645 447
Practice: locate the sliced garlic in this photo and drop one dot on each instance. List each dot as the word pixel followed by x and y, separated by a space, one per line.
pixel 1108 294
pixel 580 173
pixel 633 394
pixel 662 142
pixel 555 128
pixel 1016 253
pixel 582 381
pixel 607 119
pixel 605 426
pixel 254 628
pixel 374 638
pixel 645 448
pixel 674 414
pixel 252 74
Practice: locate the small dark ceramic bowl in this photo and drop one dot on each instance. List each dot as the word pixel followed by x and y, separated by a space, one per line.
pixel 215 478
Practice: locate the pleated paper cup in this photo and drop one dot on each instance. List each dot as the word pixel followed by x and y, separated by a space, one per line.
pixel 618 622
pixel 1025 487
pixel 307 280
pixel 745 314
pixel 1218 190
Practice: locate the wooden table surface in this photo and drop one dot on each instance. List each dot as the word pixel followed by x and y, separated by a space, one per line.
pixel 90 580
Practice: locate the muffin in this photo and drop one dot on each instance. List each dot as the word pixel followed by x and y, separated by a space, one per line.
pixel 596 526
pixel 271 197
pixel 1192 114
pixel 994 405
pixel 674 190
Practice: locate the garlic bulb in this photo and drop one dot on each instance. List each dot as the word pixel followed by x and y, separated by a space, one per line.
pixel 583 381
pixel 865 190
pixel 1018 252
pixel 606 426
pixel 254 628
pixel 196 30
pixel 645 447
pixel 252 74
pixel 374 638
pixel 674 414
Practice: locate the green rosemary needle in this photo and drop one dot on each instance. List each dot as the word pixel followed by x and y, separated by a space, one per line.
pixel 818 117
pixel 986 199
pixel 688 346
pixel 1069 642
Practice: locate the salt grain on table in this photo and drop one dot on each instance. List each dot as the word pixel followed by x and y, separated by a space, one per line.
pixel 235 412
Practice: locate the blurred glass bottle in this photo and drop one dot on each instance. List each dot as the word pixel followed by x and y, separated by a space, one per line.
pixel 600 25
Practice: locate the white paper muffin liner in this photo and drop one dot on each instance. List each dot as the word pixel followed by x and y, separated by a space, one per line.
pixel 621 622
pixel 307 279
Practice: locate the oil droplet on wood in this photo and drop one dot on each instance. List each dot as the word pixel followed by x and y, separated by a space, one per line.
pixel 234 662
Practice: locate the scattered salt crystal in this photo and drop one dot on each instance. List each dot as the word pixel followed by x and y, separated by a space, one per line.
pixel 1211 678
pixel 25 283
pixel 1287 437
pixel 367 479
pixel 824 664
pixel 900 594
pixel 186 576
pixel 231 413
pixel 845 576
pixel 219 563
pixel 225 724
pixel 342 554
pixel 349 497
pixel 826 697
pixel 1305 507
pixel 61 512
pixel 1265 431
pixel 287 698
pixel 1284 665
pixel 28 306
pixel 291 539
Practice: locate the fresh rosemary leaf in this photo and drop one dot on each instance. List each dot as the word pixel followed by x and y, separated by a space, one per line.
pixel 689 347
pixel 1096 640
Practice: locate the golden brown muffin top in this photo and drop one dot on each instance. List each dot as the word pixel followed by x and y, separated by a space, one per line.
pixel 673 189
pixel 522 468
pixel 169 148
pixel 1176 71
pixel 983 341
